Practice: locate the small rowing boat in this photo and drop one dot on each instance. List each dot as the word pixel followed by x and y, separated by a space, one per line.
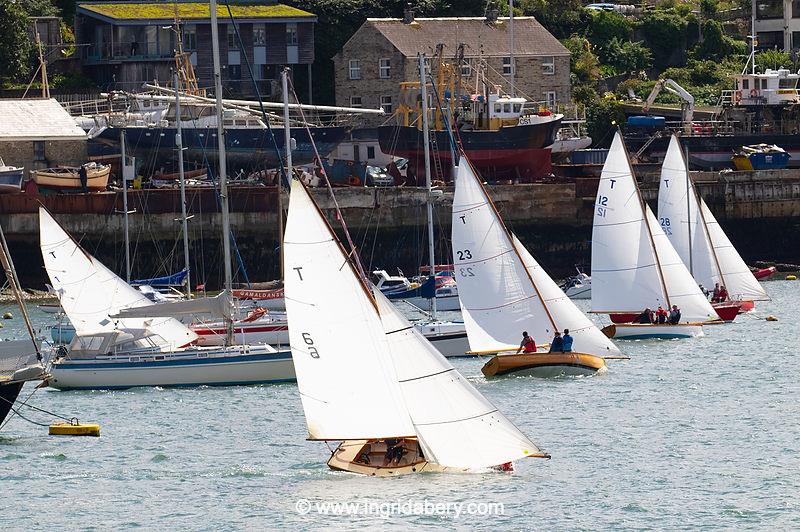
pixel 68 178
pixel 10 178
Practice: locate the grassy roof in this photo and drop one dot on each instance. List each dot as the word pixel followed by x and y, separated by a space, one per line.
pixel 191 10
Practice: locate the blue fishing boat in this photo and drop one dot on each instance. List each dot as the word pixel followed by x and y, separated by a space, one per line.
pixel 10 177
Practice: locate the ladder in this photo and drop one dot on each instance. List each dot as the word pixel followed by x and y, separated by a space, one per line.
pixel 437 163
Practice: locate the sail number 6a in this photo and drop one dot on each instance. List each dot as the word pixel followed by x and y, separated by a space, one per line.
pixel 310 343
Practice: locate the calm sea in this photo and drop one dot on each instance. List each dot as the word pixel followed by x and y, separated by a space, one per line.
pixel 689 434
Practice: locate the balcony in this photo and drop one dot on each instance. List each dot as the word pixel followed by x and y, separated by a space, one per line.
pixel 95 54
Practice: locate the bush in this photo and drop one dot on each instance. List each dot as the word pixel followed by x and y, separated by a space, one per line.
pixel 664 32
pixel 773 59
pixel 602 118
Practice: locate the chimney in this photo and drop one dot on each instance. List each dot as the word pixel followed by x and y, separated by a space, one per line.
pixel 408 14
pixel 491 15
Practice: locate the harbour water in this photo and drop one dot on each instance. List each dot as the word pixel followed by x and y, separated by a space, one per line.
pixel 688 434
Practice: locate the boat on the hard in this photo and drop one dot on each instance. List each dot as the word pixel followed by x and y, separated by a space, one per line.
pixel 370 380
pixel 700 240
pixel 68 178
pixel 634 265
pixel 504 292
pixel 10 177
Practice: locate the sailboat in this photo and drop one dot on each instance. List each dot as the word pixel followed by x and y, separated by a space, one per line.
pixel 634 266
pixel 20 360
pixel 369 379
pixel 122 340
pixel 699 239
pixel 504 292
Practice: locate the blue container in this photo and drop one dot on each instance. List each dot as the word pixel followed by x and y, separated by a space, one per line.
pixel 769 161
pixel 647 121
pixel 589 156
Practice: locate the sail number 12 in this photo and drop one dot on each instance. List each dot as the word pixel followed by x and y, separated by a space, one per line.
pixel 602 202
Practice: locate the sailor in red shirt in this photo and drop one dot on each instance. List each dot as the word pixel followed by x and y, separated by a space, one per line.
pixel 527 345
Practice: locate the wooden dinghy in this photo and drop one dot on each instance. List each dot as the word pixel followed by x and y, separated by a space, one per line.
pixel 645 331
pixel 68 178
pixel 403 396
pixel 545 365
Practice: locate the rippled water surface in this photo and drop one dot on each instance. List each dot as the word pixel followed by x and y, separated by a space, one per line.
pixel 699 433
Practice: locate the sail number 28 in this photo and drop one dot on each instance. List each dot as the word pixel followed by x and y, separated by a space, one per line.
pixel 666 226
pixel 602 203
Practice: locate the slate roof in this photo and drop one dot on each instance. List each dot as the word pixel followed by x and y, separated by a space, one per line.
pixel 37 120
pixel 189 11
pixel 479 36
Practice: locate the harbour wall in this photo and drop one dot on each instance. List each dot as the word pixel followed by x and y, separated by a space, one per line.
pixel 760 211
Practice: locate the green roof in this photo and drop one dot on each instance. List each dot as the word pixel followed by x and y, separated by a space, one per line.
pixel 191 10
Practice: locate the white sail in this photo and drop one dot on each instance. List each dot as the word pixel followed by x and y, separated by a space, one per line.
pixel 456 426
pixel 90 293
pixel 347 384
pixel 735 275
pixel 682 289
pixel 634 266
pixel 219 306
pixel 503 290
pixel 696 234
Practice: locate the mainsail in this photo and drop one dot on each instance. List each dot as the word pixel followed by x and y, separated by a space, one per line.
pixel 696 234
pixel 503 290
pixel 90 293
pixel 363 370
pixel 634 265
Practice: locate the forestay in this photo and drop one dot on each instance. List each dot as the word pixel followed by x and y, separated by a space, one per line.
pixel 634 266
pixel 90 293
pixel 346 380
pixel 456 425
pixel 503 290
pixel 696 234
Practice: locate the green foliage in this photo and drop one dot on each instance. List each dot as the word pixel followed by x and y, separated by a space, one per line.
pixel 664 33
pixel 584 69
pixel 709 8
pixel 15 46
pixel 608 25
pixel 68 37
pixel 602 119
pixel 71 83
pixel 715 44
pixel 628 56
pixel 562 18
pixel 38 8
pixel 774 59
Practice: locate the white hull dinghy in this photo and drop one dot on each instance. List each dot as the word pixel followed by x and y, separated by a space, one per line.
pixel 634 265
pixel 368 378
pixel 504 292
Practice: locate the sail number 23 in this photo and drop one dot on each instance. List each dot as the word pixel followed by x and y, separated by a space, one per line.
pixel 602 203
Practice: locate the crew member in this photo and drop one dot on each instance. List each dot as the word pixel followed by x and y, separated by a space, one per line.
pixel 527 345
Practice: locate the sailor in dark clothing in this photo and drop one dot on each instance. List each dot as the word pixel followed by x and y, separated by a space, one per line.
pixel 557 345
pixel 567 341
pixel 646 317
pixel 83 175
pixel 675 315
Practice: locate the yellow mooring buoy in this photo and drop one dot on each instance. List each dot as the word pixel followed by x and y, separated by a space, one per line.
pixel 772 318
pixel 75 429
pixel 791 277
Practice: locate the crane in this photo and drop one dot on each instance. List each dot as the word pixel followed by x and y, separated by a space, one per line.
pixel 687 107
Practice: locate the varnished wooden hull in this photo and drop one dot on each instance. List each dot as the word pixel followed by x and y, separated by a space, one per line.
pixel 346 458
pixel 643 331
pixel 69 179
pixel 544 364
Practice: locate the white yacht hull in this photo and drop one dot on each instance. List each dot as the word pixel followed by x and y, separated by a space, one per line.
pixel 240 365
pixel 253 333
pixel 442 302
pixel 579 292
pixel 638 331
pixel 449 337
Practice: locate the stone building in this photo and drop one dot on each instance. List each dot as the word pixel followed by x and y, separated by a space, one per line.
pixel 125 44
pixel 383 53
pixel 39 134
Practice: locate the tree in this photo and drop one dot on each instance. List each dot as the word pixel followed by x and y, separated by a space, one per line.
pixel 715 44
pixel 602 119
pixel 15 45
pixel 628 56
pixel 664 33
pixel 773 59
pixel 607 25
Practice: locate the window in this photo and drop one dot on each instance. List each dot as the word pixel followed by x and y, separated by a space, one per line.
pixel 386 104
pixel 189 38
pixel 38 150
pixel 370 152
pixel 234 71
pixel 233 42
pixel 259 35
pixel 549 65
pixel 745 84
pixel 498 108
pixel 506 66
pixel 355 101
pixel 506 107
pixel 466 68
pixel 384 68
pixel 769 9
pixel 769 39
pixel 291 34
pixel 355 69
pixel 550 99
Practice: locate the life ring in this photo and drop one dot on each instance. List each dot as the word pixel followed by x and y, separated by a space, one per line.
pixel 754 93
pixel 737 96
